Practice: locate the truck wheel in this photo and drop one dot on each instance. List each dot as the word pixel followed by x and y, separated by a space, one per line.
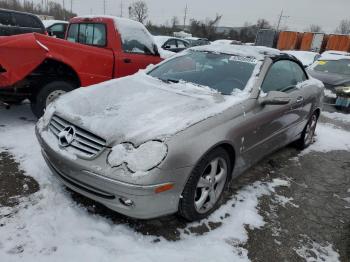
pixel 204 189
pixel 47 94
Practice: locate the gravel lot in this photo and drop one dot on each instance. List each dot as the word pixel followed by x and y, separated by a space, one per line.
pixel 290 207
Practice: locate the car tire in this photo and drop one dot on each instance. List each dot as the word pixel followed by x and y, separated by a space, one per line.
pixel 307 136
pixel 193 205
pixel 47 94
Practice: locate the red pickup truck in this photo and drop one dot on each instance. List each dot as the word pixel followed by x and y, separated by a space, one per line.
pixel 96 49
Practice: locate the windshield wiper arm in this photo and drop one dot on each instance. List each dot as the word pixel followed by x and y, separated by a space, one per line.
pixel 168 80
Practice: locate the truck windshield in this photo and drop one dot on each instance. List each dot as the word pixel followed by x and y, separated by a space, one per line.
pixel 222 72
pixel 341 67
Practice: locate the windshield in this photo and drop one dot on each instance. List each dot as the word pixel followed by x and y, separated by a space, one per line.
pixel 221 72
pixel 333 66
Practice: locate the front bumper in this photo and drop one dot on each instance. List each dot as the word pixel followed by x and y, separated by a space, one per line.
pixel 81 176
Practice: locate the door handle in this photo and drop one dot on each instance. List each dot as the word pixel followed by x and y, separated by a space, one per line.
pixel 127 60
pixel 300 99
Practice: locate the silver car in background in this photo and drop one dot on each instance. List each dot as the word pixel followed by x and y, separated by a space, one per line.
pixel 170 139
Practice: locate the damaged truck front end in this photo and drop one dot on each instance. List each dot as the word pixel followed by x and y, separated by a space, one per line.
pixel 19 57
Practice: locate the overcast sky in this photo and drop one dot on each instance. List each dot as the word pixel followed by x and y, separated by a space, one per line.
pixel 300 13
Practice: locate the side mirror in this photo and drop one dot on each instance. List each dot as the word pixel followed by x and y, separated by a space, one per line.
pixel 275 98
pixel 50 33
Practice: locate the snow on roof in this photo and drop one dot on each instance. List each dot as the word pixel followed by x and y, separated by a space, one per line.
pixel 222 41
pixel 48 23
pixel 334 55
pixel 258 52
pixel 305 57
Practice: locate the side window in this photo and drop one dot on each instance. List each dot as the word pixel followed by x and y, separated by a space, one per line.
pixel 181 44
pixel 73 33
pixel 135 38
pixel 26 21
pixel 298 72
pixel 6 18
pixel 280 77
pixel 88 34
pixel 57 28
pixel 171 43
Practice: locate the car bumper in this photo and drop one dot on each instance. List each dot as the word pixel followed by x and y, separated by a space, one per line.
pixel 144 202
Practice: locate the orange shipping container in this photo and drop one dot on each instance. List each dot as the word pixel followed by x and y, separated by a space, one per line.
pixel 338 43
pixel 289 40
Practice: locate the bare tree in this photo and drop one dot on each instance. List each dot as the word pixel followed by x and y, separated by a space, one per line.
pixel 314 28
pixel 344 27
pixel 263 24
pixel 138 11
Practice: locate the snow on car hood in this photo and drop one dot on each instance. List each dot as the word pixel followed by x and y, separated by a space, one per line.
pixel 140 108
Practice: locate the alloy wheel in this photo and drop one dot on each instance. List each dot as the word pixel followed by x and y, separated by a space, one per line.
pixel 310 130
pixel 210 185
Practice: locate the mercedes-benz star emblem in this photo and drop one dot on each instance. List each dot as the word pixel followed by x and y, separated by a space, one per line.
pixel 66 136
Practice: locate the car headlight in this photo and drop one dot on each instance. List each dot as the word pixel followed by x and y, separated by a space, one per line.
pixel 143 158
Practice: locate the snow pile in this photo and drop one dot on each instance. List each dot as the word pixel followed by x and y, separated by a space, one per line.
pixel 337 116
pixel 329 138
pixel 143 158
pixel 50 226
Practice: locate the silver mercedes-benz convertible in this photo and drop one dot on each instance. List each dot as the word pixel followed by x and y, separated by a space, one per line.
pixel 170 139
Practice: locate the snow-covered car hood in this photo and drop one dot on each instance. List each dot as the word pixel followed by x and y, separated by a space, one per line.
pixel 140 108
pixel 330 79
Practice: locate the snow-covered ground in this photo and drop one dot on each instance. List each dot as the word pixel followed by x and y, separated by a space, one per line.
pixel 50 226
pixel 337 116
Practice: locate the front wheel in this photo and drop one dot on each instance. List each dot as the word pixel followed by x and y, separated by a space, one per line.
pixel 308 134
pixel 205 186
pixel 48 94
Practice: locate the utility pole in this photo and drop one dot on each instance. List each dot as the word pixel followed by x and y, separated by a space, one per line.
pixel 280 19
pixel 104 7
pixel 185 17
pixel 71 6
pixel 64 11
pixel 121 8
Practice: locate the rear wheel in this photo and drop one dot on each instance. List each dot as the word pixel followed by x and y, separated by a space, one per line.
pixel 48 94
pixel 308 134
pixel 204 189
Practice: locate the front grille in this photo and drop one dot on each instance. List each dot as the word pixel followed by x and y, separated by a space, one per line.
pixel 84 144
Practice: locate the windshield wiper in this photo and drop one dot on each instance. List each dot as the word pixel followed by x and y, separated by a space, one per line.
pixel 169 80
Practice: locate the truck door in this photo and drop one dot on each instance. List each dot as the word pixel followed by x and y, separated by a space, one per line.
pixel 138 50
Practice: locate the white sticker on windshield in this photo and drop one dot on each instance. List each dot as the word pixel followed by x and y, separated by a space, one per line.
pixel 244 59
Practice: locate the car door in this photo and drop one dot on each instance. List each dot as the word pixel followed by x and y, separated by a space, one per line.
pixel 271 126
